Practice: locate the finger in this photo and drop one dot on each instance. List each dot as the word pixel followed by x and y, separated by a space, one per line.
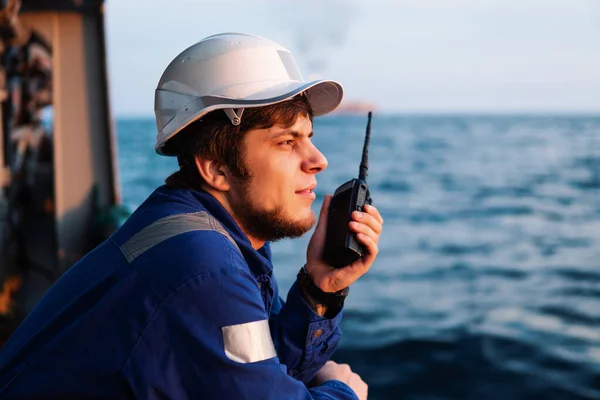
pixel 367 219
pixel 363 264
pixel 363 228
pixel 370 245
pixel 373 211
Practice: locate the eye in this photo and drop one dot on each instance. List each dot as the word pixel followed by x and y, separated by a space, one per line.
pixel 287 143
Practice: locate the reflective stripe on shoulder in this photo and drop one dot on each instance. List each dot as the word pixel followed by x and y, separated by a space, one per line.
pixel 249 342
pixel 168 227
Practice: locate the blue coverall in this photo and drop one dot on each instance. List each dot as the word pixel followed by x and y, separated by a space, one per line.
pixel 176 304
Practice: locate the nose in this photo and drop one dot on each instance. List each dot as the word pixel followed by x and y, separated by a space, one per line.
pixel 314 161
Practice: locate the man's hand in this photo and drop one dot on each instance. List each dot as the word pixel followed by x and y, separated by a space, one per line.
pixel 367 225
pixel 342 373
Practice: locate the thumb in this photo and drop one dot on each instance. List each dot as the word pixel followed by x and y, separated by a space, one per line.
pixel 322 224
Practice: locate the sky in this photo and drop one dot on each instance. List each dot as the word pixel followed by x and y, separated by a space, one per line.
pixel 404 56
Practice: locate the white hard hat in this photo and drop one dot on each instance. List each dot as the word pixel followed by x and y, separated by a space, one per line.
pixel 232 71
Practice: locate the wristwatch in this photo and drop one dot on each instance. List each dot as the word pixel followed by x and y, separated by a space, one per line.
pixel 315 296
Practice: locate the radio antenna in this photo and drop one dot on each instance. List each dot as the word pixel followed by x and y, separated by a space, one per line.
pixel 364 164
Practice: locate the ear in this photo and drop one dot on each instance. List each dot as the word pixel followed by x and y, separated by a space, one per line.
pixel 215 175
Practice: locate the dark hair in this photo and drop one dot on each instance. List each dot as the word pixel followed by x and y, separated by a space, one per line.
pixel 214 137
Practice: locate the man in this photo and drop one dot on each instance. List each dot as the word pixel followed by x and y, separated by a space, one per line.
pixel 181 301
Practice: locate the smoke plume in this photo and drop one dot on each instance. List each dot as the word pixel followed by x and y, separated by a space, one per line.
pixel 317 29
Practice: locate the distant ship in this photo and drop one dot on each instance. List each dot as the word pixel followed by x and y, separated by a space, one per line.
pixel 355 108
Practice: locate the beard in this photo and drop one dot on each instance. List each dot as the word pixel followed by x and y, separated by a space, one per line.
pixel 267 225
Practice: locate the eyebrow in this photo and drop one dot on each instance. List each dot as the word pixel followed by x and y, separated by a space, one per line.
pixel 295 134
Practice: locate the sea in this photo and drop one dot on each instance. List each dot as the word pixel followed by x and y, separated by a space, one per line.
pixel 487 282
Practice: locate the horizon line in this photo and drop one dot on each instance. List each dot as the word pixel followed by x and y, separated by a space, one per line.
pixel 547 113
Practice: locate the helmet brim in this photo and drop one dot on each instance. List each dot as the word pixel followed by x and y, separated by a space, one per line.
pixel 324 96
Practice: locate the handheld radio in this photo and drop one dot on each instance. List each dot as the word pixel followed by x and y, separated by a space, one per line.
pixel 341 246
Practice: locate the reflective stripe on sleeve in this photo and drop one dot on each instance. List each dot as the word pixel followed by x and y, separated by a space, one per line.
pixel 249 342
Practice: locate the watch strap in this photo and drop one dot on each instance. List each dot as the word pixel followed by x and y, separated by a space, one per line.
pixel 314 296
